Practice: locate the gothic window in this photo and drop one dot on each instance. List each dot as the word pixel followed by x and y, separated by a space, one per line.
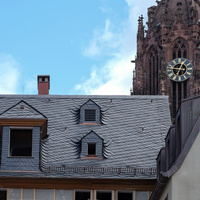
pixel 179 50
pixel 153 71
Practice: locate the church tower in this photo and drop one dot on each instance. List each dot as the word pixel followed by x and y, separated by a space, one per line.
pixel 168 52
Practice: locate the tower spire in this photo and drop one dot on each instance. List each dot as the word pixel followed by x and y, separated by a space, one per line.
pixel 140 34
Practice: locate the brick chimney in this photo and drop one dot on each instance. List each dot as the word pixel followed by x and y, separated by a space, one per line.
pixel 43 84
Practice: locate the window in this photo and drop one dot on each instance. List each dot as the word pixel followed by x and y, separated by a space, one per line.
pixel 92 146
pixel 104 195
pixel 141 195
pixel 82 195
pixel 20 142
pixel 179 90
pixel 90 115
pixel 125 195
pixel 153 71
pixel 3 195
pixel 91 149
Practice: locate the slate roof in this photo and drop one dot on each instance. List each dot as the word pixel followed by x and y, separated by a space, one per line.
pixel 134 127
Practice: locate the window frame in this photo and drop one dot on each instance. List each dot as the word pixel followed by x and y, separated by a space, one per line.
pixel 20 128
pixel 103 192
pixel 95 146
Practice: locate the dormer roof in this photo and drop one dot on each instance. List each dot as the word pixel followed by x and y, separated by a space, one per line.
pixel 23 114
pixel 21 110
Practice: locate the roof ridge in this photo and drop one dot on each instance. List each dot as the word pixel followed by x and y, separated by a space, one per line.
pixel 88 96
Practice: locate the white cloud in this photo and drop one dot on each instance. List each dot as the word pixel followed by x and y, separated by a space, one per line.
pixel 30 86
pixel 112 79
pixel 12 81
pixel 115 77
pixel 103 40
pixel 10 73
pixel 93 49
pixel 119 76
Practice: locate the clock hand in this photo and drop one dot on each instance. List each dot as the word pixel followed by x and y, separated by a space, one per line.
pixel 180 67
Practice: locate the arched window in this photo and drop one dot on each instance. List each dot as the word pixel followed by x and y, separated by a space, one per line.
pixel 153 71
pixel 179 50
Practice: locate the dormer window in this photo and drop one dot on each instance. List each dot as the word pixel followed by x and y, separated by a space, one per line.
pixel 90 115
pixel 21 129
pixel 91 146
pixel 20 142
pixel 91 149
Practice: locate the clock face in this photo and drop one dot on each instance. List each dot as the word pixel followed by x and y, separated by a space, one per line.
pixel 179 69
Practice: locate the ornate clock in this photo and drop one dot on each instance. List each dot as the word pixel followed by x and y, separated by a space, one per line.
pixel 179 69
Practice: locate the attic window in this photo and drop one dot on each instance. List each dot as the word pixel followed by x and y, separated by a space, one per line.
pixel 21 142
pixel 91 149
pixel 90 115
pixel 91 146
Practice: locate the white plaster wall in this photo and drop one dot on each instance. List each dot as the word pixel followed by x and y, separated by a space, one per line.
pixel 185 183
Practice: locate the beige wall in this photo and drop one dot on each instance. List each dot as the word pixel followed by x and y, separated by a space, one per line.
pixel 185 183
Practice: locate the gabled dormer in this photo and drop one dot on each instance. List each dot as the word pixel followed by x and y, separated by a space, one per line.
pixel 90 113
pixel 92 146
pixel 22 127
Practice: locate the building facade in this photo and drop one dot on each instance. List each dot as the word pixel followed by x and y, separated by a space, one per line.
pixel 59 147
pixel 178 162
pixel 173 32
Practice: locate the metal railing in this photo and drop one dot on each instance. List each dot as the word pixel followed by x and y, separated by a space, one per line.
pixel 101 170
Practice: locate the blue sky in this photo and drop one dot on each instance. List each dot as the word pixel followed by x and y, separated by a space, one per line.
pixel 85 46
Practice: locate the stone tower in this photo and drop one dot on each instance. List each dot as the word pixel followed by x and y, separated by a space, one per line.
pixel 173 32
